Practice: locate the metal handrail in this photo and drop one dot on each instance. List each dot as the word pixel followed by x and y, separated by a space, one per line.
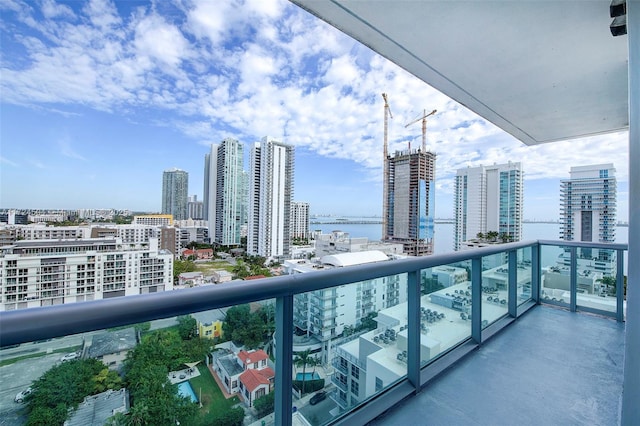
pixel 31 324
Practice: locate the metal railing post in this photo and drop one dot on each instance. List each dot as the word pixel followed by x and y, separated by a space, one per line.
pixel 573 279
pixel 536 273
pixel 284 360
pixel 620 285
pixel 476 299
pixel 512 283
pixel 413 331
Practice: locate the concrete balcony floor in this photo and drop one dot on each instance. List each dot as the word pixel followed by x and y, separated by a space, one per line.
pixel 551 367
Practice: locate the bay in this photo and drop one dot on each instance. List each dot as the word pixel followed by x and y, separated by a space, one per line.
pixel 444 232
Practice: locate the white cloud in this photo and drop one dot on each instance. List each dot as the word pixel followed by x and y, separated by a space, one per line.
pixel 65 149
pixel 157 39
pixel 8 162
pixel 258 68
pixel 51 9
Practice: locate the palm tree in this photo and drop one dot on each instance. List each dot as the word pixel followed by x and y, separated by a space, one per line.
pixel 492 235
pixel 610 282
pixel 480 236
pixel 504 237
pixel 302 360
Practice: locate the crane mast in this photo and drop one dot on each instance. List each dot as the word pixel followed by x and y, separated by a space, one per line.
pixel 424 127
pixel 385 166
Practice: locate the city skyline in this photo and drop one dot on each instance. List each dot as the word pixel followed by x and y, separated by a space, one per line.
pixel 124 91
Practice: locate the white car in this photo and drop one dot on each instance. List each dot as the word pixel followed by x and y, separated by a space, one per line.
pixel 22 395
pixel 69 357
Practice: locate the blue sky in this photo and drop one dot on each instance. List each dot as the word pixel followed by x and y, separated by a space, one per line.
pixel 99 97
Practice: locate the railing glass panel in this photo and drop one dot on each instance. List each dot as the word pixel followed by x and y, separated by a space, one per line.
pixel 445 309
pixel 363 357
pixel 596 279
pixel 181 369
pixel 555 279
pixel 524 275
pixel 495 285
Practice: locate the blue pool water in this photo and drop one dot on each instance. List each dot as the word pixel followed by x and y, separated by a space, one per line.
pixel 307 376
pixel 185 389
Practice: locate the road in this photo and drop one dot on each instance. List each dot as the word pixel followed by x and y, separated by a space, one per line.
pixel 17 377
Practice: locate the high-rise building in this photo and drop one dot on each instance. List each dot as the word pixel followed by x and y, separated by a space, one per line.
pixel 270 193
pixel 175 193
pixel 588 204
pixel 195 208
pixel 300 220
pixel 489 199
pixel 224 198
pixel 410 207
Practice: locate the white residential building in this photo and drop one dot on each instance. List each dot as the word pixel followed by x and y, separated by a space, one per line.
pixel 51 272
pixel 588 204
pixel 224 196
pixel 154 219
pixel 270 194
pixel 247 373
pixel 488 199
pixel 299 220
pixel 324 314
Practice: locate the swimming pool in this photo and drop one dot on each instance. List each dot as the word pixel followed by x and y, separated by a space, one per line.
pixel 307 376
pixel 185 389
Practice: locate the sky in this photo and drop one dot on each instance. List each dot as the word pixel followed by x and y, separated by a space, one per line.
pixel 98 97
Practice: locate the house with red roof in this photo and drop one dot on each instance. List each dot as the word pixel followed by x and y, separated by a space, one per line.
pixel 198 254
pixel 247 373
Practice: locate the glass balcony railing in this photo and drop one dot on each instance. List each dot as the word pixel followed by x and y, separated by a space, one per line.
pixel 228 350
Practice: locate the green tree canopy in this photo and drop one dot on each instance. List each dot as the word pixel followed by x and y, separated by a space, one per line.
pixel 64 386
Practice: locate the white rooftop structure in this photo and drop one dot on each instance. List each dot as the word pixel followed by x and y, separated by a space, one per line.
pixel 357 258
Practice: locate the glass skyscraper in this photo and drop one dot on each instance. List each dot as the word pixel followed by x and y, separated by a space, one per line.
pixel 175 193
pixel 489 199
pixel 224 198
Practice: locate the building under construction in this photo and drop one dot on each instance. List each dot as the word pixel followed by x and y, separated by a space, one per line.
pixel 410 203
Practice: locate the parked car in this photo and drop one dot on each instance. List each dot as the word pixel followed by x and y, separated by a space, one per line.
pixel 22 395
pixel 319 396
pixel 70 356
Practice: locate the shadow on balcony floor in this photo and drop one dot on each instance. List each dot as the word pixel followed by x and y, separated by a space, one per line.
pixel 551 367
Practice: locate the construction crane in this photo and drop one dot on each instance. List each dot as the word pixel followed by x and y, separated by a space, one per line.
pixel 385 166
pixel 424 127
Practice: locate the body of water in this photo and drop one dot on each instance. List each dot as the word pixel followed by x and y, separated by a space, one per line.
pixel 444 232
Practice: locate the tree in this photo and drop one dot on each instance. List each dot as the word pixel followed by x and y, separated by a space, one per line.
pixel 64 386
pixel 610 283
pixel 233 417
pixel 302 360
pixel 492 236
pixel 480 236
pixel 187 327
pixel 181 266
pixel 505 237
pixel 246 328
pixel 264 405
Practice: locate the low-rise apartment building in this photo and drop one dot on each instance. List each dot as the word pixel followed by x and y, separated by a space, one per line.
pixel 52 272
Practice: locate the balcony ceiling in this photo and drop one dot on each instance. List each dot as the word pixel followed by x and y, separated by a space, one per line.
pixel 541 70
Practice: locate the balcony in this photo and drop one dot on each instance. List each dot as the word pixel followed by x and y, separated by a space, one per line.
pixel 531 353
